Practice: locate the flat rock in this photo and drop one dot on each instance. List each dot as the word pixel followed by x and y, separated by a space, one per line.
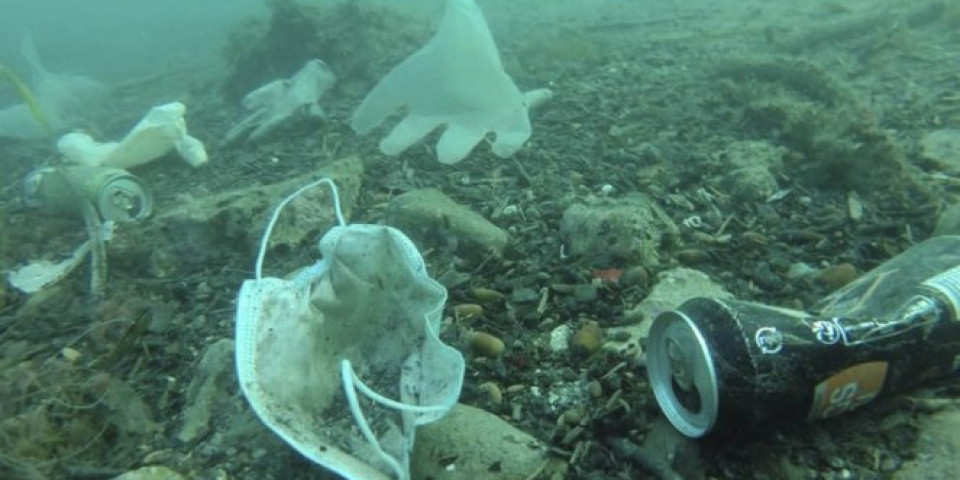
pixel 151 473
pixel 472 444
pixel 938 448
pixel 750 173
pixel 213 377
pixel 673 287
pixel 434 220
pixel 616 232
pixel 199 231
pixel 943 148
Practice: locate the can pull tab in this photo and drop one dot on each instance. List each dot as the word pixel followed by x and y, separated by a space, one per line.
pixel 124 200
pixel 680 356
pixel 680 370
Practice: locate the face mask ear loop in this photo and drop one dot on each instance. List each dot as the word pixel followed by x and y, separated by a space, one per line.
pixel 388 402
pixel 352 383
pixel 347 376
pixel 276 214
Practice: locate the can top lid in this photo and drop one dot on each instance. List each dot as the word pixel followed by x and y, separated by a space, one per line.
pixel 125 199
pixel 682 374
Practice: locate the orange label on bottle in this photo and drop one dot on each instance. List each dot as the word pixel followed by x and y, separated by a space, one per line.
pixel 847 389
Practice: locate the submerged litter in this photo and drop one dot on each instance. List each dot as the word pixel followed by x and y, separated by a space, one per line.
pixel 456 81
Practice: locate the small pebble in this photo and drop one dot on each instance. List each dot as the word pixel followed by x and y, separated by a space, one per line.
pixel 588 339
pixel 755 238
pixel 572 416
pixel 494 394
pixel 485 295
pixel 635 276
pixel 524 295
pixel 854 207
pixel 485 344
pixel 466 311
pixel 890 463
pixel 585 292
pixel 800 270
pixel 560 338
pixel 516 411
pixel 595 388
pixel 160 457
pixel 70 354
pixel 692 256
pixel 703 237
pixel 836 276
pixel 546 323
pixel 516 388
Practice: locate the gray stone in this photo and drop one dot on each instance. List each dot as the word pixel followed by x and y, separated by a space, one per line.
pixel 678 453
pixel 673 287
pixel 524 295
pixel 201 230
pixel 472 444
pixel 151 473
pixel 939 442
pixel 751 164
pixel 212 378
pixel 676 286
pixel 943 148
pixel 433 220
pixel 585 292
pixel 949 221
pixel 616 232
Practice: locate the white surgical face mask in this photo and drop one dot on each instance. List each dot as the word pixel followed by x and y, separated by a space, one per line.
pixel 343 360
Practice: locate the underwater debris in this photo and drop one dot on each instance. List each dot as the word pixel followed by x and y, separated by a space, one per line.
pixel 101 196
pixel 161 130
pixel 53 102
pixel 25 94
pixel 455 81
pixel 283 100
pixel 38 275
pixel 356 39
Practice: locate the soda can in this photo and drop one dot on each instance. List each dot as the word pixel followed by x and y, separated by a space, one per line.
pixel 115 193
pixel 725 366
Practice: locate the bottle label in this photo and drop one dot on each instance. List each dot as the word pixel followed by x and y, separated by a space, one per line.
pixel 847 389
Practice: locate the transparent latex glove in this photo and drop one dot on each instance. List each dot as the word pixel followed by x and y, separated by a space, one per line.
pixel 281 101
pixel 456 80
pixel 161 130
